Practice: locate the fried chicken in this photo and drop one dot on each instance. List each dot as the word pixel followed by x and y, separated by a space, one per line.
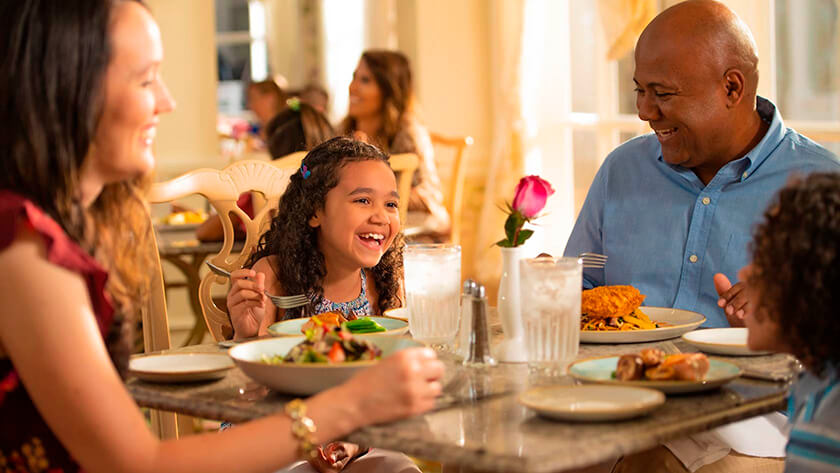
pixel 610 301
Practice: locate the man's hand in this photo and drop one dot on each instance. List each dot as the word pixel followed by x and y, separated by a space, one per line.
pixel 733 299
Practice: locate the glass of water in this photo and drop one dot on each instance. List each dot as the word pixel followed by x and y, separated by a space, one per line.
pixel 550 299
pixel 432 287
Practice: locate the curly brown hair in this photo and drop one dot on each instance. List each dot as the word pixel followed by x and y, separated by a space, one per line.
pixel 295 243
pixel 796 267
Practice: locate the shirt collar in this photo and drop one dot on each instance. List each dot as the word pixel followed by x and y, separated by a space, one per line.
pixel 753 159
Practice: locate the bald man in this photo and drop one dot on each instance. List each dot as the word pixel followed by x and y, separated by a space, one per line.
pixel 674 209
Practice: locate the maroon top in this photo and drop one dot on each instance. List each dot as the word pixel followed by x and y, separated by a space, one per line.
pixel 26 442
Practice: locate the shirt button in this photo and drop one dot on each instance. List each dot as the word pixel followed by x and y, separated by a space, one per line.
pixel 693 258
pixel 706 201
pixel 745 174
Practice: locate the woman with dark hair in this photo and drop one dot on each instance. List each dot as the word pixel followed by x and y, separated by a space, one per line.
pixel 83 94
pixel 381 111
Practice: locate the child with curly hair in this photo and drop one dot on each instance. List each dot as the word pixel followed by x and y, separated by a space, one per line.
pixel 336 238
pixel 793 287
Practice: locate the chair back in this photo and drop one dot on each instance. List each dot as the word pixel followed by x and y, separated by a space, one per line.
pixel 222 189
pixel 404 165
pixel 454 197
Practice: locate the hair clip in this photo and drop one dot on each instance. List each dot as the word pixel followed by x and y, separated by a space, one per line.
pixel 304 172
pixel 293 103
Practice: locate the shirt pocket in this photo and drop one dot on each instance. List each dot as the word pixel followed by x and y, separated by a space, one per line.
pixel 738 253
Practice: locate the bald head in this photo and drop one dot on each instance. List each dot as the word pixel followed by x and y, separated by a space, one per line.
pixel 709 33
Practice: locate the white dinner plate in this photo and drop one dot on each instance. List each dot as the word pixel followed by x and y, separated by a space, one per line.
pixel 292 327
pixel 679 322
pixel 721 341
pixel 591 403
pixel 180 367
pixel 601 370
pixel 304 379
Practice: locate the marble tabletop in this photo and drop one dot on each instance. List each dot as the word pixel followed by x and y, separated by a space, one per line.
pixel 479 423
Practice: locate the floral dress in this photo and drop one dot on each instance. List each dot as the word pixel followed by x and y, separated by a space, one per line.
pixel 26 442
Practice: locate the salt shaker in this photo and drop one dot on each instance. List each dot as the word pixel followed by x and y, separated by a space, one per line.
pixel 479 348
pixel 462 345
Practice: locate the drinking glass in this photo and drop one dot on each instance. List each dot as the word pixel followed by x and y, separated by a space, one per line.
pixel 550 296
pixel 432 287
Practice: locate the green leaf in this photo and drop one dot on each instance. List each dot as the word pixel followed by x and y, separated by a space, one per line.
pixel 524 235
pixel 505 243
pixel 511 226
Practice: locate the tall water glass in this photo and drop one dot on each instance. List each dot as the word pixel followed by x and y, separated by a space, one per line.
pixel 432 287
pixel 550 297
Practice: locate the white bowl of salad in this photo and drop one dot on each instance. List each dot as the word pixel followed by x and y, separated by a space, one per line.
pixel 306 365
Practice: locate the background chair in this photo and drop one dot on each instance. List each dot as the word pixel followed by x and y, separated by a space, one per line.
pixel 404 165
pixel 457 148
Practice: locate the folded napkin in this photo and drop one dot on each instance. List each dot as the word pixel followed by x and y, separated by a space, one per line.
pixel 757 437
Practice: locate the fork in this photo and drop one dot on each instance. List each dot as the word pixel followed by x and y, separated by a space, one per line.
pixel 282 302
pixel 593 260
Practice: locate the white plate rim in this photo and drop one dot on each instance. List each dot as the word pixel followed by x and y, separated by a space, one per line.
pixel 648 335
pixel 720 348
pixel 193 374
pixel 624 411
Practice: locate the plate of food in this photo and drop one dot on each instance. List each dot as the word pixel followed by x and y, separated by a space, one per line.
pixel 614 314
pixel 362 325
pixel 651 368
pixel 181 221
pixel 591 402
pixel 306 365
pixel 180 367
pixel 722 341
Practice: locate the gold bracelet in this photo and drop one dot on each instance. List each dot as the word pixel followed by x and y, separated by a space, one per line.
pixel 303 429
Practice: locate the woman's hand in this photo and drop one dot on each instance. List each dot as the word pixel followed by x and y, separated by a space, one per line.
pixel 246 302
pixel 401 385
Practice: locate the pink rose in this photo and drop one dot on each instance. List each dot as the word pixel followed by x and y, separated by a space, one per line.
pixel 530 196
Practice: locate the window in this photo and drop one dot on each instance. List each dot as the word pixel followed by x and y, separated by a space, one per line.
pixel 241 50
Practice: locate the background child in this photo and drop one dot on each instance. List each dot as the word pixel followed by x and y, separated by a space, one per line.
pixel 794 291
pixel 336 238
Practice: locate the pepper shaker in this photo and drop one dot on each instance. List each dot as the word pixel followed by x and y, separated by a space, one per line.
pixel 479 348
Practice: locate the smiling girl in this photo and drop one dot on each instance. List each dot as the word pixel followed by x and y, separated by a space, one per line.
pixel 336 238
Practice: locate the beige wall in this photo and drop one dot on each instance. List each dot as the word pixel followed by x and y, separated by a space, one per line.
pixel 187 137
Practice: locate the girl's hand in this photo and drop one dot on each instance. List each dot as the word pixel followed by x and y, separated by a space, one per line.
pixel 246 302
pixel 401 385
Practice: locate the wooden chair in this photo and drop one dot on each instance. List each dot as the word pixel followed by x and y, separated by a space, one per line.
pixel 222 189
pixel 404 165
pixel 454 197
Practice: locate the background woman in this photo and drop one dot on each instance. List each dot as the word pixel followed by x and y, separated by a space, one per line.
pixel 381 111
pixel 83 94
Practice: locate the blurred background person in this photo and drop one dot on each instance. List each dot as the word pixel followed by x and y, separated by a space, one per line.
pixel 265 99
pixel 381 111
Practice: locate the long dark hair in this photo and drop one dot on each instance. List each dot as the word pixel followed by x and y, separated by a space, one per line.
pixel 52 80
pixel 392 73
pixel 295 243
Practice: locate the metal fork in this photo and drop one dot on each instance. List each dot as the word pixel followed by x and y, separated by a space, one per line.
pixel 282 302
pixel 593 260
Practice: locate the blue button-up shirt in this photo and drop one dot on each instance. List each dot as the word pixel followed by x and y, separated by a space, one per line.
pixel 668 234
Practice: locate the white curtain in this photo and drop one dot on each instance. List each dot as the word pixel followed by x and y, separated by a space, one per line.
pixel 506 163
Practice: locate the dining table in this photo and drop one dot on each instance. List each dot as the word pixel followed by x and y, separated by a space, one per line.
pixel 178 245
pixel 479 425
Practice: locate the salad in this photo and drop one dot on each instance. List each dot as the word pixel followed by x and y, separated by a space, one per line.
pixel 328 344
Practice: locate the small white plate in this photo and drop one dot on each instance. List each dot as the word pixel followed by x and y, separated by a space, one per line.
pixel 679 322
pixel 722 341
pixel 398 313
pixel 591 403
pixel 180 367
